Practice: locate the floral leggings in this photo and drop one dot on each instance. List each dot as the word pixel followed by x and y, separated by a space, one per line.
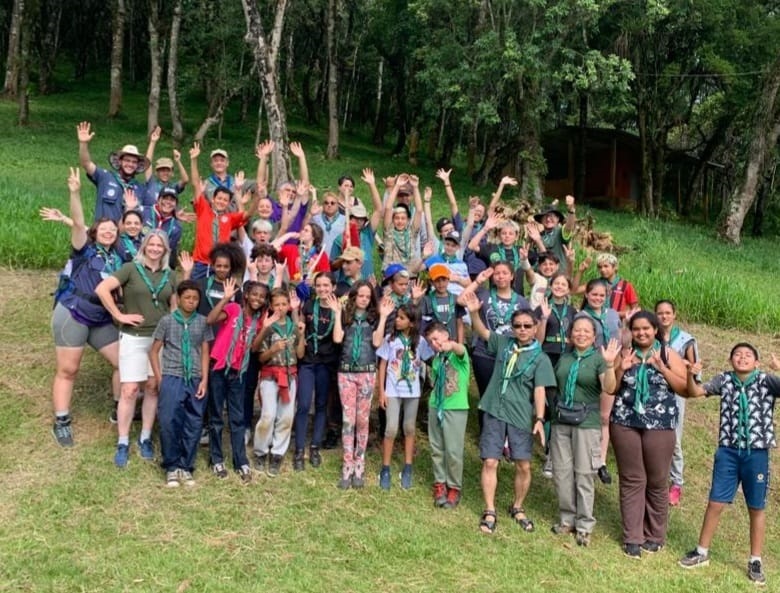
pixel 355 391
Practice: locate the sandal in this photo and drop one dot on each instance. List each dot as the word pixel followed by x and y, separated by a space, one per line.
pixel 524 522
pixel 487 523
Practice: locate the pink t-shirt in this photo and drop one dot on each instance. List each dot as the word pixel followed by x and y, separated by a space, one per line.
pixel 221 346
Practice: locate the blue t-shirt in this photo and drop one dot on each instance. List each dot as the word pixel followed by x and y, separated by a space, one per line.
pixel 111 187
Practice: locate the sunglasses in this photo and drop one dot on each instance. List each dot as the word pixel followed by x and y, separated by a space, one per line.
pixel 330 203
pixel 522 325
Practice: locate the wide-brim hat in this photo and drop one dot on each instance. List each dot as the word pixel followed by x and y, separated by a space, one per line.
pixel 350 254
pixel 358 211
pixel 549 210
pixel 129 150
pixel 163 163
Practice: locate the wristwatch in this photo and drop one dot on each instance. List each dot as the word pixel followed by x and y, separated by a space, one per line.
pixel 540 419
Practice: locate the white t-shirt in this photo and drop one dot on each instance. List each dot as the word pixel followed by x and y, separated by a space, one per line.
pixel 393 352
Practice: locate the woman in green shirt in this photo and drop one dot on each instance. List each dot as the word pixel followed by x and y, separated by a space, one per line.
pixel 575 439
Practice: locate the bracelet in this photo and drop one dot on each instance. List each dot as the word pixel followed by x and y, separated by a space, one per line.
pixel 540 419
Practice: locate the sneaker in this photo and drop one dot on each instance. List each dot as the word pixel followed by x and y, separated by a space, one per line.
pixel 121 456
pixel 547 470
pixel 439 494
pixel 384 478
pixel 675 491
pixel 219 470
pixel 314 457
pixel 604 476
pixel 583 539
pixel 453 498
pixel 406 477
pixel 62 432
pixel 186 478
pixel 562 529
pixel 755 572
pixel 260 462
pixel 146 449
pixel 204 437
pixel 172 479
pixel 694 559
pixel 633 551
pixel 246 473
pixel 358 482
pixel 275 466
pixel 652 547
pixel 344 484
pixel 298 461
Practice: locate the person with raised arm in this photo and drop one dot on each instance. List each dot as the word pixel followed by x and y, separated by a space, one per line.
pixel 162 176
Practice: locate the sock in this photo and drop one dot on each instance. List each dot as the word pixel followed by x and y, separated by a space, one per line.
pixel 754 559
pixel 385 468
pixel 123 441
pixel 145 435
pixel 62 415
pixel 702 551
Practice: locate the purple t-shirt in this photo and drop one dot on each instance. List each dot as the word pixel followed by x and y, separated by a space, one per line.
pixel 297 223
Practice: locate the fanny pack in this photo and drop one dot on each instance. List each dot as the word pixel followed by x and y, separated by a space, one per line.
pixel 572 415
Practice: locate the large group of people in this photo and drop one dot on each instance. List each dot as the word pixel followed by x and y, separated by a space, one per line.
pixel 316 307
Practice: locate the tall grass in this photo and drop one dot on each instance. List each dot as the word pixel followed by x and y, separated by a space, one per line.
pixel 711 282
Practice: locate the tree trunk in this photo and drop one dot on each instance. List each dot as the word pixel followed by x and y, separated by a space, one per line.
pixel 582 149
pixel 11 84
pixel 645 157
pixel 49 44
pixel 332 151
pixel 22 94
pixel 117 51
pixel 155 75
pixel 380 120
pixel 177 129
pixel 763 135
pixel 267 62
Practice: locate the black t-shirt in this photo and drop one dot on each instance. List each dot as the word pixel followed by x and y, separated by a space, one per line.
pixel 319 335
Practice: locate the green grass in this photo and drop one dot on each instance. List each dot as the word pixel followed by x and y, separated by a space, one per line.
pixel 69 521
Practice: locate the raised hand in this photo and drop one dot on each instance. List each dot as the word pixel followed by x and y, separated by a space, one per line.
pixel 333 302
pixel 155 135
pixel 493 220
pixel 586 263
pixel 418 290
pixel 470 301
pixel 230 288
pixel 264 149
pixel 389 182
pixel 484 275
pixel 473 202
pixel 546 309
pixel 52 214
pixel 386 306
pixel 569 253
pixel 611 351
pixel 176 155
pixel 315 208
pixel 195 151
pixel 444 175
pixel 296 149
pixel 368 176
pixel 83 132
pixel 131 200
pixel 628 359
pixel 243 198
pixel 427 194
pixel 295 301
pixel 506 180
pixel 186 262
pixel 185 216
pixel 427 250
pixel 414 180
pixel 74 179
pixel 270 318
pixel 401 179
pixel 239 180
pixel 532 231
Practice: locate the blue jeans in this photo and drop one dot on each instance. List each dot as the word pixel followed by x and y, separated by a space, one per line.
pixel 180 415
pixel 200 270
pixel 313 381
pixel 226 387
pixel 250 387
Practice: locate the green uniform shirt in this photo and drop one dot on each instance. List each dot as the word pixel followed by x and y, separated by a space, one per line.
pixel 588 389
pixel 457 373
pixel 137 297
pixel 515 406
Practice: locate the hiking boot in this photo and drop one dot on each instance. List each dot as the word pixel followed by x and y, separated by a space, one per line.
pixel 146 449
pixel 186 478
pixel 755 572
pixel 633 551
pixel 675 492
pixel 562 529
pixel 604 476
pixel 275 466
pixel 652 547
pixel 358 482
pixel 453 498
pixel 694 559
pixel 547 470
pixel 121 456
pixel 439 494
pixel 406 477
pixel 583 539
pixel 245 472
pixel 172 479
pixel 314 457
pixel 260 462
pixel 298 461
pixel 219 470
pixel 62 432
pixel 344 484
pixel 384 478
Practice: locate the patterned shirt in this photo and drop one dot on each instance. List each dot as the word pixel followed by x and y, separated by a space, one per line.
pixel 761 395
pixel 658 413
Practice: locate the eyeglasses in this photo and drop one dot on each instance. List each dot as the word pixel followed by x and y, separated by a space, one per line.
pixel 330 203
pixel 522 325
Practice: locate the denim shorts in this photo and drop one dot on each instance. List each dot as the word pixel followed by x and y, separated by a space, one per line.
pixel 734 466
pixel 496 432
